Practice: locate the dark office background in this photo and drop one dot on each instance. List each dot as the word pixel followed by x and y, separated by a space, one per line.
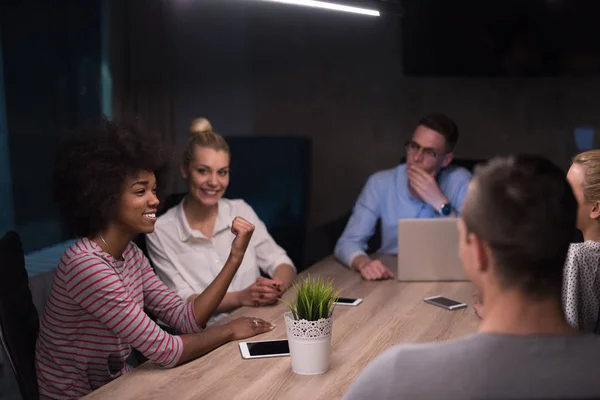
pixel 517 77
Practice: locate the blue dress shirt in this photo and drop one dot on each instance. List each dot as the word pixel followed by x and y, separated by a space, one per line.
pixel 386 197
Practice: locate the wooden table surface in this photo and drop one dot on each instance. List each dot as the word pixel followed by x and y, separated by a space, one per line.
pixel 392 312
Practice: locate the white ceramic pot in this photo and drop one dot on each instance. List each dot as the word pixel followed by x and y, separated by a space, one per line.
pixel 309 343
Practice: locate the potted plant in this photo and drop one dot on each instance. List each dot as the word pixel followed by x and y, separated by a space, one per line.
pixel 309 325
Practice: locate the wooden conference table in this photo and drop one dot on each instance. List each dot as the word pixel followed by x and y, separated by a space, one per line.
pixel 392 312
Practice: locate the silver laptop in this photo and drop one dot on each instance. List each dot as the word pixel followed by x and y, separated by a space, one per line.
pixel 428 250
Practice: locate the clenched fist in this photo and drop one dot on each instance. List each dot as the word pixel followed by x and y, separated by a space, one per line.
pixel 243 231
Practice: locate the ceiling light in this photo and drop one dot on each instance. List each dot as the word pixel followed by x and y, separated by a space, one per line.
pixel 329 6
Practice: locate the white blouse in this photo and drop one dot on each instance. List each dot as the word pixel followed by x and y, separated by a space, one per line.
pixel 581 286
pixel 187 261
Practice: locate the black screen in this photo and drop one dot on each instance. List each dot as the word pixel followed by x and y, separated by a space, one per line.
pixel 267 348
pixel 345 300
pixel 445 302
pixel 503 38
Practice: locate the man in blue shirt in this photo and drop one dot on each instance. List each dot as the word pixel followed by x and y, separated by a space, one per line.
pixel 426 186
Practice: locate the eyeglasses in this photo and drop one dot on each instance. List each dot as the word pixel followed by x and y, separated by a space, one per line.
pixel 413 147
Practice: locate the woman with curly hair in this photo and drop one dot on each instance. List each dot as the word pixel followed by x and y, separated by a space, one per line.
pixel 105 185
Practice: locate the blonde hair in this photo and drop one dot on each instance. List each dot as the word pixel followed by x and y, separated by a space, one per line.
pixel 200 125
pixel 590 160
pixel 202 135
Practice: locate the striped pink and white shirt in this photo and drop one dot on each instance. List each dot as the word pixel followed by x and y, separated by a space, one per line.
pixel 95 316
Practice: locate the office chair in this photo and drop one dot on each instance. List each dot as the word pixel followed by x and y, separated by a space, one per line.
pixel 19 322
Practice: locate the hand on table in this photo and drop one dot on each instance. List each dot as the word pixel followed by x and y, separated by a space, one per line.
pixel 262 292
pixel 246 327
pixel 375 270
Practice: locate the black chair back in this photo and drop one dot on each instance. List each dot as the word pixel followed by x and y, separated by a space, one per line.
pixel 18 317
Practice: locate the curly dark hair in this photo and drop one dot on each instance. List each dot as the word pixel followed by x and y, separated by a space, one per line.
pixel 92 165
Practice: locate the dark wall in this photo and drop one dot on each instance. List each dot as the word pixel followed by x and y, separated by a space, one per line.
pixel 51 60
pixel 335 78
pixel 506 38
pixel 211 65
pixel 338 79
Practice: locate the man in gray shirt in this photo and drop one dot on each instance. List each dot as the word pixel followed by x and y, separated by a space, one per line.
pixel 517 222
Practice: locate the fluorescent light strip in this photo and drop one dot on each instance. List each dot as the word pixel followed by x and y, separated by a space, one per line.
pixel 329 6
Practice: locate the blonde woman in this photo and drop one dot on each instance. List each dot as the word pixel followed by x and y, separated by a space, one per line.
pixel 189 243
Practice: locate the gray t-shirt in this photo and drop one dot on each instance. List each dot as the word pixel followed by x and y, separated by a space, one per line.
pixel 485 366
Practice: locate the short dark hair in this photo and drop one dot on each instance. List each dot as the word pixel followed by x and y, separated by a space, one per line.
pixel 524 209
pixel 443 125
pixel 92 165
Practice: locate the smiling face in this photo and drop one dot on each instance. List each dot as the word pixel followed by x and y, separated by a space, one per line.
pixel 138 203
pixel 207 175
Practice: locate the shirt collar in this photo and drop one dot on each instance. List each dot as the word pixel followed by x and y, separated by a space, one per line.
pixel 184 230
pixel 224 217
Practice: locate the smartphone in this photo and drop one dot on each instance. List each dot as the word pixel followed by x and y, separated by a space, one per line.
pixel 445 302
pixel 345 301
pixel 265 348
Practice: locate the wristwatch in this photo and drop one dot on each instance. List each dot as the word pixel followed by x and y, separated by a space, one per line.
pixel 445 209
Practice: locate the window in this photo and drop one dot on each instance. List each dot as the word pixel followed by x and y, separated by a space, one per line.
pixel 51 80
